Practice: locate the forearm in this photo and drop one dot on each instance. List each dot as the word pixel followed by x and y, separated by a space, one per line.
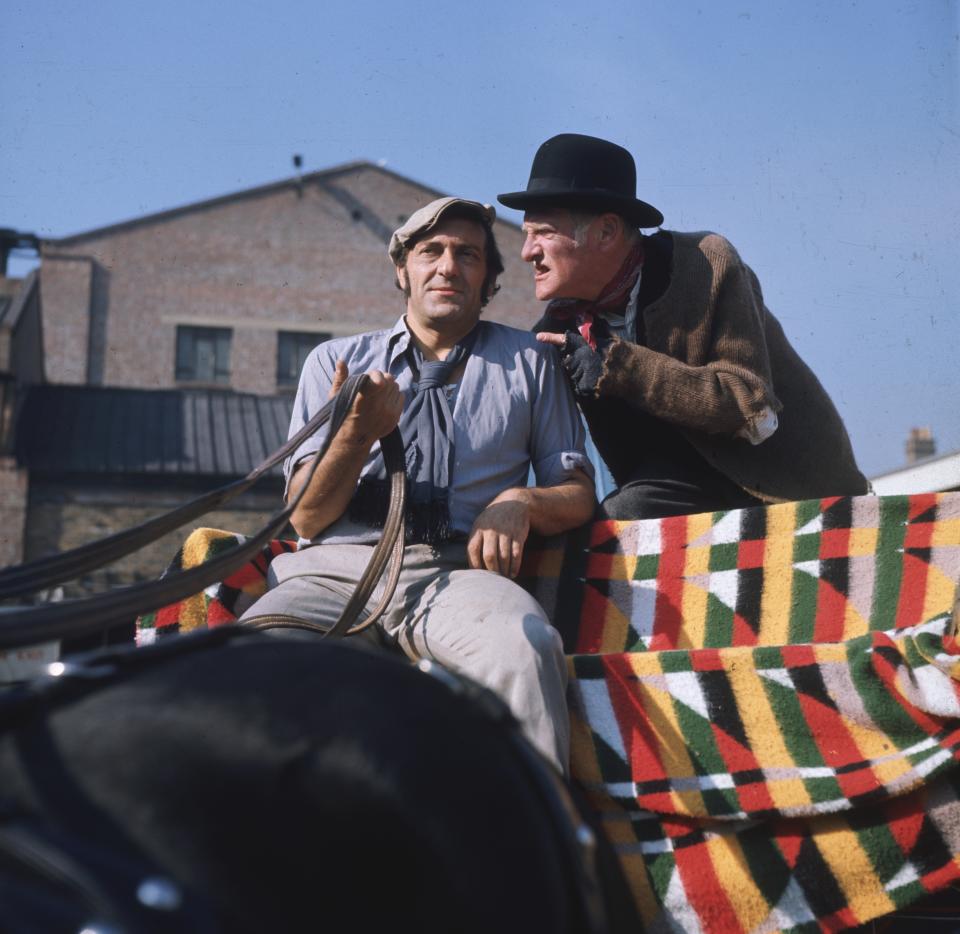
pixel 717 398
pixel 375 413
pixel 556 509
pixel 331 488
pixel 499 533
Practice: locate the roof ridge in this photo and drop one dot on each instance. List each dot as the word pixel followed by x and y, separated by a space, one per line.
pixel 292 182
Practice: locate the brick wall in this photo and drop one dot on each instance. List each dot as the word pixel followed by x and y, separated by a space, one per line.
pixel 64 515
pixel 256 262
pixel 13 511
pixel 65 291
pixel 254 360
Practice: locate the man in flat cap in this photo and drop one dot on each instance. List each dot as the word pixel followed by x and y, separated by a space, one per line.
pixel 478 404
pixel 693 395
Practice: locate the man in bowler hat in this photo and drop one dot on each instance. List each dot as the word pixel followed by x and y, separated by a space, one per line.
pixel 693 395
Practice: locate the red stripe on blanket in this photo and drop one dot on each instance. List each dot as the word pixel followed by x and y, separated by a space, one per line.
pixel 636 731
pixel 839 920
pixel 951 742
pixel 706 660
pixel 831 612
pixel 250 573
pixel 601 532
pixel 750 554
pixel 667 612
pixel 937 879
pixel 743 633
pixel 905 821
pixel 789 841
pixel 835 543
pixel 796 656
pixel 167 616
pixel 593 621
pixel 702 885
pixel 913 590
pixel 593 606
pixel 836 746
pixel 219 615
pixel 754 796
pixel 831 605
pixel 921 503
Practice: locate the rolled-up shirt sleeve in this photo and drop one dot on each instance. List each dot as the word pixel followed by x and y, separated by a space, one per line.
pixel 558 443
pixel 313 390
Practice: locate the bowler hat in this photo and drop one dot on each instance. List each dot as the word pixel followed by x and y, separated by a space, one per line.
pixel 584 172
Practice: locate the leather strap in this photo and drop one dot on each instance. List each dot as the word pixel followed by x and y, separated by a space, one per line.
pixel 388 549
pixel 22 626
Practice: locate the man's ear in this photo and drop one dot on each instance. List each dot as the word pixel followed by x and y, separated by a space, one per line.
pixel 402 277
pixel 610 230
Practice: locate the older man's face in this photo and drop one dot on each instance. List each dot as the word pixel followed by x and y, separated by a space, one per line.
pixel 562 266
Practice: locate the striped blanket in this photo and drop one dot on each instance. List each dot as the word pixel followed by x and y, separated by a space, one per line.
pixel 764 702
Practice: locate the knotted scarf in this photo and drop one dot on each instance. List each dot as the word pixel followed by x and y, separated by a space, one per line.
pixel 579 314
pixel 427 429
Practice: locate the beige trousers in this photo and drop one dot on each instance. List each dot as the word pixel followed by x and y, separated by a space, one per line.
pixel 474 622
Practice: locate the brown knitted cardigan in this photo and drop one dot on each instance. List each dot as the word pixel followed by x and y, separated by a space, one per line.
pixel 715 359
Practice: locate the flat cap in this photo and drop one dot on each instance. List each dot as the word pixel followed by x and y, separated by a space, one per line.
pixel 426 218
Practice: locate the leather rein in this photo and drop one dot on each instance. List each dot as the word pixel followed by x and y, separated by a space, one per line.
pixel 22 626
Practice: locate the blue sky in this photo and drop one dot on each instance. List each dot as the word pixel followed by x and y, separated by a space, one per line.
pixel 822 138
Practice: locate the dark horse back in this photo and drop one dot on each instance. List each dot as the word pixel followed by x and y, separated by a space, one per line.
pixel 279 785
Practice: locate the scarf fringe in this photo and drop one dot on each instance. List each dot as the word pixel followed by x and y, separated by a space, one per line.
pixel 427 522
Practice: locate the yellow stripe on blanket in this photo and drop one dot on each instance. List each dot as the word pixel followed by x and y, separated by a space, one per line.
pixel 852 869
pixel 763 730
pixel 196 549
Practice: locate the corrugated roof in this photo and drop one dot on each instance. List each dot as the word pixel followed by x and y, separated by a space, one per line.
pixel 185 432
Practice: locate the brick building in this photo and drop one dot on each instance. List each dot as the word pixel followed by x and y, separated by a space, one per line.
pixel 229 292
pixel 156 358
pixel 21 365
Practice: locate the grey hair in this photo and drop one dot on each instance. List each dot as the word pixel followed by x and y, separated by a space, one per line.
pixel 583 219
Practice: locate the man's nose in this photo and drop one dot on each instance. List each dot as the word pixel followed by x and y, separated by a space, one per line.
pixel 529 251
pixel 447 266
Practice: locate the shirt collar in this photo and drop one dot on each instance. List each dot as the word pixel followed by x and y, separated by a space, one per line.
pixel 399 339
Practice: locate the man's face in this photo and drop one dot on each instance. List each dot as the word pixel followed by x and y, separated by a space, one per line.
pixel 562 266
pixel 444 275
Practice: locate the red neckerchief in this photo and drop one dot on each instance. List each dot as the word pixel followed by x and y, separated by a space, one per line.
pixel 613 297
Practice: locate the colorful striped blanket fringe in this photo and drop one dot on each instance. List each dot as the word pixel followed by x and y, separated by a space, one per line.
pixel 764 702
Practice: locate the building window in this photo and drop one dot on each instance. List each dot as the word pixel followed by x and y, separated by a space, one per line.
pixel 293 347
pixel 203 355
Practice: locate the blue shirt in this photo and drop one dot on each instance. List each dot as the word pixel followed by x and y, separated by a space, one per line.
pixel 512 410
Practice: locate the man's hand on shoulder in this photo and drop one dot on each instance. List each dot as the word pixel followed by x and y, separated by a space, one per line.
pixel 582 363
pixel 499 534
